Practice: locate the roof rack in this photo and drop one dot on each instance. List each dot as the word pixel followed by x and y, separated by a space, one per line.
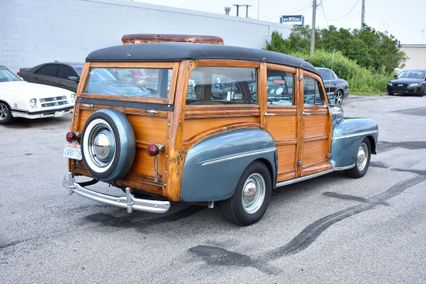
pixel 157 38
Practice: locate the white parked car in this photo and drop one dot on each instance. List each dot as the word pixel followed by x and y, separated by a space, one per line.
pixel 28 100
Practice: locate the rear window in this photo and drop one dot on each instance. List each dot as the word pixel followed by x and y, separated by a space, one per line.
pixel 222 86
pixel 130 82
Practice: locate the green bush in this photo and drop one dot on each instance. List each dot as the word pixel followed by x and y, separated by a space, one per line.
pixel 361 80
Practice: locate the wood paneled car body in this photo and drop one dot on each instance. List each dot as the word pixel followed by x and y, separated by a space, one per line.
pixel 202 123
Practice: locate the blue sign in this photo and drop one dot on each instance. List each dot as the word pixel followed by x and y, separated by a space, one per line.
pixel 292 18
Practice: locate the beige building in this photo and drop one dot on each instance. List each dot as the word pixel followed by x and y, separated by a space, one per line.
pixel 416 54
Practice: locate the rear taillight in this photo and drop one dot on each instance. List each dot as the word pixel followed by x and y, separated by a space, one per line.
pixel 71 137
pixel 154 149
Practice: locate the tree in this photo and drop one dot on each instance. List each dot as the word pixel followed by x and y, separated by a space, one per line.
pixel 369 48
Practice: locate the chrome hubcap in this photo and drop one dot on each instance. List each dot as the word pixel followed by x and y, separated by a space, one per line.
pixel 362 157
pixel 338 98
pixel 101 145
pixel 253 193
pixel 3 111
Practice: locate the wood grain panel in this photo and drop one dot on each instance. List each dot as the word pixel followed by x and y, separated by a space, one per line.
pixel 314 152
pixel 315 125
pixel 282 127
pixel 193 128
pixel 286 161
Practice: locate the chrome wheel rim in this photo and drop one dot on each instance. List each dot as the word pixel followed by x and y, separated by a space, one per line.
pixel 3 111
pixel 338 98
pixel 362 157
pixel 99 146
pixel 253 193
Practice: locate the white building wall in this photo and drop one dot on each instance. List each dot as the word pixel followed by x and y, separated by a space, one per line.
pixel 38 31
pixel 416 55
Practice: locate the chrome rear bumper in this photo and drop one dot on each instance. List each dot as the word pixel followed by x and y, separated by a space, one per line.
pixel 130 202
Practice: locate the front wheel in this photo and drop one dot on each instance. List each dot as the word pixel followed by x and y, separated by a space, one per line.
pixel 362 160
pixel 251 197
pixel 338 98
pixel 5 113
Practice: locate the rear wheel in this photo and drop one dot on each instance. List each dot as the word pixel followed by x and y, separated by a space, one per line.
pixel 251 197
pixel 362 160
pixel 5 113
pixel 390 93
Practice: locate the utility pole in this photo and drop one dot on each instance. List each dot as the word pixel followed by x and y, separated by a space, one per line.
pixel 247 6
pixel 314 16
pixel 363 14
pixel 258 8
pixel 238 9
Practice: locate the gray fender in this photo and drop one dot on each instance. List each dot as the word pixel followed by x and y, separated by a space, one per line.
pixel 348 133
pixel 214 165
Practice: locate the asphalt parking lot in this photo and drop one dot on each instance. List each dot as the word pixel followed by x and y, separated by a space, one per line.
pixel 332 229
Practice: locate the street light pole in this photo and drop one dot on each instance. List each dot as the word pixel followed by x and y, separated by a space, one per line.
pixel 314 15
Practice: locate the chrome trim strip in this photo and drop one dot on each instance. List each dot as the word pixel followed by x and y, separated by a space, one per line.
pixel 296 180
pixel 356 134
pixel 128 202
pixel 344 168
pixel 237 156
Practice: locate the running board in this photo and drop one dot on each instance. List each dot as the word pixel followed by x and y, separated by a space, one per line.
pixel 296 180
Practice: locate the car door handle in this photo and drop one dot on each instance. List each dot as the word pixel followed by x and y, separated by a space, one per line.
pixel 306 113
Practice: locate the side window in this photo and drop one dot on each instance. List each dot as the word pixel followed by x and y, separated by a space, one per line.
pixel 67 71
pixel 280 88
pixel 49 70
pixel 222 85
pixel 312 92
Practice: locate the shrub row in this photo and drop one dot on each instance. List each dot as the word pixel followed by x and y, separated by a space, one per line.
pixel 361 80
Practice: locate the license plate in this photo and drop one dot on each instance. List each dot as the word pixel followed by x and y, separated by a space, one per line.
pixel 73 151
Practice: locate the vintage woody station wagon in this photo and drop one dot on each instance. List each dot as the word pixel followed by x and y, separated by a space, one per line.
pixel 205 123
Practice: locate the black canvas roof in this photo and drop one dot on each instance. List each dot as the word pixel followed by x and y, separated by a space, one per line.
pixel 192 51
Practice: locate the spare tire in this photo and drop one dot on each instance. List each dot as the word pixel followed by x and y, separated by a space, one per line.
pixel 108 145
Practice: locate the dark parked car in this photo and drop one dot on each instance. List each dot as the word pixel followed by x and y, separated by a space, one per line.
pixel 409 82
pixel 337 89
pixel 58 74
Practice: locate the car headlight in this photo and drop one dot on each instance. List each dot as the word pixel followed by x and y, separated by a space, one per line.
pixel 389 84
pixel 33 103
pixel 72 98
pixel 414 85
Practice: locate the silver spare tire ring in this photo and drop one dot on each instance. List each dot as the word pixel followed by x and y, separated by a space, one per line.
pixel 108 145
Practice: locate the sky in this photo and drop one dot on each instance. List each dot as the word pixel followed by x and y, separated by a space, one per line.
pixel 405 19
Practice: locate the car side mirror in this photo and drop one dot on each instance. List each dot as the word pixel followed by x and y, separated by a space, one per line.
pixel 74 78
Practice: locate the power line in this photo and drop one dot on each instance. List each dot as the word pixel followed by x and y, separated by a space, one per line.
pixel 340 18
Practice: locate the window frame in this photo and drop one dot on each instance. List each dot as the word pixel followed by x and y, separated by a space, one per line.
pixel 154 65
pixel 283 68
pixel 294 93
pixel 321 90
pixel 224 63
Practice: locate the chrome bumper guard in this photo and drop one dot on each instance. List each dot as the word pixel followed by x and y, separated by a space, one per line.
pixel 130 202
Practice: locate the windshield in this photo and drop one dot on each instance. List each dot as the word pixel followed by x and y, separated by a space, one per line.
pixel 8 76
pixel 130 82
pixel 412 74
